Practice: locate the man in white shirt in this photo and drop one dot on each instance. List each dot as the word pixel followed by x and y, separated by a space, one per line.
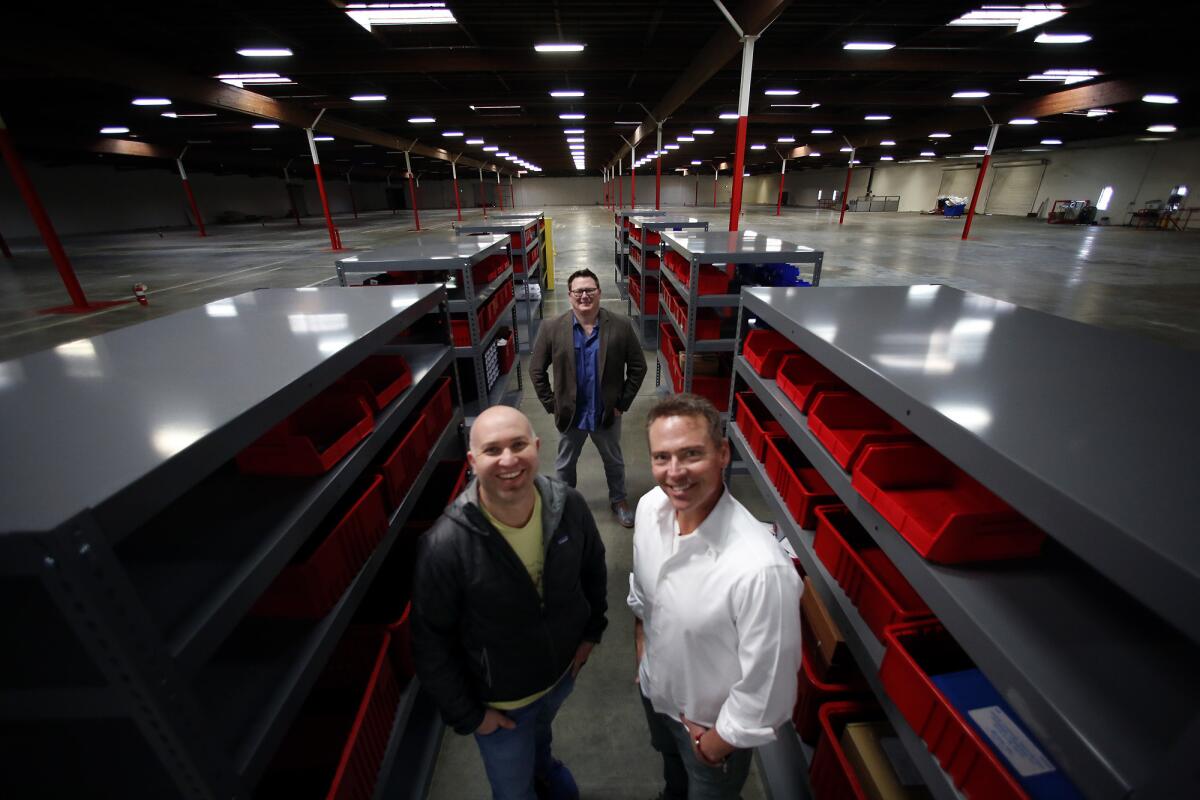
pixel 718 610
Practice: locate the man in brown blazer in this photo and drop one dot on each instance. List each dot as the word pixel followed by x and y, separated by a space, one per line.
pixel 598 367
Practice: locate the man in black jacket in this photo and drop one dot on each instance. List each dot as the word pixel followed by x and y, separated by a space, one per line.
pixel 509 599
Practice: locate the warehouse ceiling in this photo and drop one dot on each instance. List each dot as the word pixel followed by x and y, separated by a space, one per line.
pixel 66 73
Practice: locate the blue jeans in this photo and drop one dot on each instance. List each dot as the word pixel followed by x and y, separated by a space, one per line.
pixel 685 776
pixel 513 757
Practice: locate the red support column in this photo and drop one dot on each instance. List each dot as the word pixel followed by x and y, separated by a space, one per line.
pixel 987 159
pixel 187 188
pixel 335 238
pixel 79 301
pixel 457 202
pixel 739 147
pixel 846 190
pixel 779 198
pixel 412 190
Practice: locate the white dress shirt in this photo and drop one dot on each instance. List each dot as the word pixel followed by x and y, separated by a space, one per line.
pixel 720 609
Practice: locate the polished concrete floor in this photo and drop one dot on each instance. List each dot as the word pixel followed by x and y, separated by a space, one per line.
pixel 1147 283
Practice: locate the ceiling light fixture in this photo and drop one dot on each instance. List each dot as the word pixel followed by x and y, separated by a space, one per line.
pixel 822 131
pixel 421 120
pixel 728 115
pixel 574 138
pixel 685 138
pixel 1062 38
pixel 474 141
pixel 887 143
pixel 114 129
pixel 702 131
pixel 782 92
pixel 243 79
pixel 174 115
pixel 1051 141
pixel 758 147
pixel 1023 121
pixel 566 93
pixel 559 47
pixel 939 135
pixel 795 105
pixel 676 147
pixel 814 154
pixel 980 148
pixel 786 139
pixel 694 163
pixel 572 116
pixel 1161 129
pixel 322 138
pixel 265 126
pixel 1165 99
pixel 845 150
pixel 928 154
pixel 375 15
pixel 1064 76
pixel 887 158
pixel 492 108
pixel 1022 18
pixel 368 98
pixel 264 52
pixel 491 148
pixel 151 101
pixel 572 131
pixel 877 117
pixel 970 94
pixel 868 45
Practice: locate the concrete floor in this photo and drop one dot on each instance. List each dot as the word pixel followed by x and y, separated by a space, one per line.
pixel 1144 282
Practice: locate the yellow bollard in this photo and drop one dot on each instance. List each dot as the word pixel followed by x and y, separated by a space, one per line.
pixel 549 254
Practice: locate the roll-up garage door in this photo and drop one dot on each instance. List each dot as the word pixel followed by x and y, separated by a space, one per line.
pixel 1014 188
pixel 959 182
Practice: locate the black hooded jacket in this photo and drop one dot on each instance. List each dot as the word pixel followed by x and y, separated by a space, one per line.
pixel 480 632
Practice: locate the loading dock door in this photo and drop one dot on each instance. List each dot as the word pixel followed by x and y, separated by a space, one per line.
pixel 959 182
pixel 1014 189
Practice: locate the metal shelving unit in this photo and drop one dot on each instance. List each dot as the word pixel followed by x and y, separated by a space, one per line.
pixel 636 254
pixel 538 214
pixel 1093 642
pixel 456 254
pixel 137 555
pixel 725 249
pixel 621 239
pixel 528 228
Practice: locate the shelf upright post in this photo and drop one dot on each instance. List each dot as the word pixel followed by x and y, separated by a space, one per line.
pixel 779 197
pixel 187 188
pixel 739 147
pixel 335 238
pixel 987 159
pixel 454 176
pixel 412 188
pixel 846 190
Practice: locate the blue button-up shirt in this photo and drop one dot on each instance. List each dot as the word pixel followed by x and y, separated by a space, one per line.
pixel 589 403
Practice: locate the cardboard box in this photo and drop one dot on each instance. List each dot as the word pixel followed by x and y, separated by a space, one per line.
pixel 881 763
pixel 708 364
pixel 830 643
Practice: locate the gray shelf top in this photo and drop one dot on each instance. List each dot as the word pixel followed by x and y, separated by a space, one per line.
pixel 123 422
pixel 536 214
pixel 498 224
pixel 424 250
pixel 662 223
pixel 714 247
pixel 1090 433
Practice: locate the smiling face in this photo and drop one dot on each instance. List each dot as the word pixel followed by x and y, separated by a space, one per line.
pixel 585 304
pixel 688 465
pixel 504 455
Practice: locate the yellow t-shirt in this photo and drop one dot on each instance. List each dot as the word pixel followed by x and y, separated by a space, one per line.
pixel 526 542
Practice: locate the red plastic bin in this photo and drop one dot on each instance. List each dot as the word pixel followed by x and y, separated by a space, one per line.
pixel 399 469
pixel 311 585
pixel 315 437
pixel 713 388
pixel 401 650
pixel 379 380
pixel 756 423
pixel 868 577
pixel 812 692
pixel 798 481
pixel 676 263
pixel 945 514
pixel 846 422
pixel 439 407
pixel 507 353
pixel 764 349
pixel 712 280
pixel 831 775
pixel 914 652
pixel 801 378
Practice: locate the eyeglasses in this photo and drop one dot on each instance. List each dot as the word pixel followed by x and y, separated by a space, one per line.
pixel 584 292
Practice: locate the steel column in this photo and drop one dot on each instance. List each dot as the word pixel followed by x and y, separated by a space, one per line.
pixel 482 193
pixel 454 175
pixel 187 188
pixel 412 189
pixel 335 238
pixel 987 159
pixel 45 227
pixel 499 192
pixel 779 198
pixel 716 172
pixel 739 147
pixel 846 190
pixel 658 169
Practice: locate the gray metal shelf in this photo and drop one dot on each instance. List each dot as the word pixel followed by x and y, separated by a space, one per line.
pixel 483 295
pixel 486 339
pixel 702 300
pixel 507 226
pixel 1107 686
pixel 236 532
pixel 702 345
pixel 400 726
pixel 254 687
pixel 864 647
pixel 424 251
pixel 416 756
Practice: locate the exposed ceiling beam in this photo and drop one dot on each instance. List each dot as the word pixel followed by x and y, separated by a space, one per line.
pixel 83 61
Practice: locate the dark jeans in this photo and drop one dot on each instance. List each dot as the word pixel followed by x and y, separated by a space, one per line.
pixel 512 757
pixel 687 777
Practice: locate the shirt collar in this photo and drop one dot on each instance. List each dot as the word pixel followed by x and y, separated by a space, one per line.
pixel 576 324
pixel 715 527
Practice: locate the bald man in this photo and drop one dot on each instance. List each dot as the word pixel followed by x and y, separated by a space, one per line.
pixel 509 600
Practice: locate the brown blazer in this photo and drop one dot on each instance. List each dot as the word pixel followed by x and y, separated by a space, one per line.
pixel 622 366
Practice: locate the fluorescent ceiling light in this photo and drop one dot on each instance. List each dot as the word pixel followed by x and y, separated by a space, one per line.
pixel 845 149
pixel 822 131
pixel 980 148
pixel 685 138
pixel 151 101
pixel 264 52
pixel 562 47
pixel 114 129
pixel 795 105
pixel 176 115
pixel 887 143
pixel 503 154
pixel 676 147
pixel 1064 76
pixel 939 135
pixel 243 79
pixel 368 98
pixel 877 117
pixel 1161 129
pixel 694 163
pixel 491 148
pixel 566 93
pixel 572 116
pixel 814 154
pixel 758 147
pixel 1023 121
pixel 474 141
pixel 728 115
pixel 322 138
pixel 574 139
pixel 855 161
pixel 1022 18
pixel 887 158
pixel 868 45
pixel 265 126
pixel 492 108
pixel 1051 141
pixel 782 92
pixel 786 139
pixel 702 131
pixel 1167 99
pixel 374 15
pixel 452 134
pixel 970 94
pixel 928 154
pixel 572 131
pixel 1099 112
pixel 1062 38
pixel 421 120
